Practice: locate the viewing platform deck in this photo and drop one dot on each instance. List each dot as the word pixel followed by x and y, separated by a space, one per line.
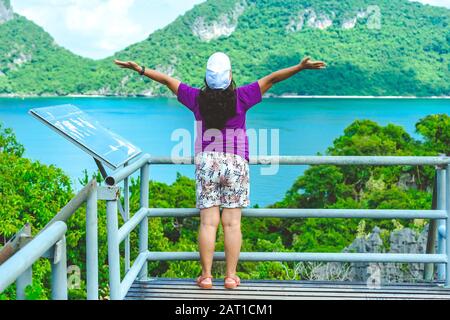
pixel 186 289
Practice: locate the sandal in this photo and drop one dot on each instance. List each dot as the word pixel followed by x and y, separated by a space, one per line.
pixel 204 285
pixel 233 284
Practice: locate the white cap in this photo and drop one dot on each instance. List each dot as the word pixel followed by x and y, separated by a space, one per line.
pixel 218 71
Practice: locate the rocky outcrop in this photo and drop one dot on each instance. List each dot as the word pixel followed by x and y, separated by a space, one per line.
pixel 168 69
pixel 6 12
pixel 371 17
pixel 17 57
pixel 405 240
pixel 21 58
pixel 224 26
pixel 311 19
pixel 401 241
pixel 349 23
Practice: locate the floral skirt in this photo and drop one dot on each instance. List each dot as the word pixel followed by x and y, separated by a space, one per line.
pixel 222 179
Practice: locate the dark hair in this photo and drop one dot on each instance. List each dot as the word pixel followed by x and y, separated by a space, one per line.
pixel 217 106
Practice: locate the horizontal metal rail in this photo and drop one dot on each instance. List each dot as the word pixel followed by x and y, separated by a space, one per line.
pixel 17 241
pixel 63 215
pixel 305 256
pixel 19 263
pixel 131 224
pixel 74 204
pixel 139 268
pixel 88 196
pixel 313 213
pixel 132 274
pixel 120 174
pixel 331 160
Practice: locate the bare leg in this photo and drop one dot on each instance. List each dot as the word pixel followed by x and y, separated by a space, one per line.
pixel 231 222
pixel 210 219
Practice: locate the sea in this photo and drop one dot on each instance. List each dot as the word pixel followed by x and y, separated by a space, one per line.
pixel 160 126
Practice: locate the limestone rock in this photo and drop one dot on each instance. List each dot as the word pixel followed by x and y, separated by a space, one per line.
pixel 349 23
pixel 6 12
pixel 309 18
pixel 224 26
pixel 400 241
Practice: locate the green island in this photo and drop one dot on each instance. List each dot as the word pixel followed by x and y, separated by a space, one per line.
pixel 377 48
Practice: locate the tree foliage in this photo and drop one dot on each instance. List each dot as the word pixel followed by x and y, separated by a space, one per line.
pixel 365 187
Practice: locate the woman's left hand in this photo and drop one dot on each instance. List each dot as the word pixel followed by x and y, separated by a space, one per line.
pixel 128 65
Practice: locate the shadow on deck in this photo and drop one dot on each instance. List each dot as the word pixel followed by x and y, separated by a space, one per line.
pixel 185 289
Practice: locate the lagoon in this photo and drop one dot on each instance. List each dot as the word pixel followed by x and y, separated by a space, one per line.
pixel 306 126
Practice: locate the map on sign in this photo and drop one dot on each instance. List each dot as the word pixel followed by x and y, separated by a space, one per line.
pixel 88 134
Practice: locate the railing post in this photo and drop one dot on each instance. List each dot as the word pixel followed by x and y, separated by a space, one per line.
pixel 92 245
pixel 112 224
pixel 429 269
pixel 59 271
pixel 441 205
pixel 143 227
pixel 447 226
pixel 22 282
pixel 126 209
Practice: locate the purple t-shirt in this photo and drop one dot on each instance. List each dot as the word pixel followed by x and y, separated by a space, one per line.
pixel 233 138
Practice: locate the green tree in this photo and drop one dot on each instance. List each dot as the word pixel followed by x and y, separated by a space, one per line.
pixel 436 131
pixel 8 142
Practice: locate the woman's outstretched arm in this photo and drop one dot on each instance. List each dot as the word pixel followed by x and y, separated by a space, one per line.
pixel 157 76
pixel 267 82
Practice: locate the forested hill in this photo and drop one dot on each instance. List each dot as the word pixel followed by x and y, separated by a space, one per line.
pixel 32 63
pixel 376 47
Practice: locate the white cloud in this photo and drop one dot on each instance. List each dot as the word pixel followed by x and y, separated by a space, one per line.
pixel 98 28
pixel 110 21
pixel 440 3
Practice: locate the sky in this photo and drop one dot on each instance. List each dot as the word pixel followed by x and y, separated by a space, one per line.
pixel 99 28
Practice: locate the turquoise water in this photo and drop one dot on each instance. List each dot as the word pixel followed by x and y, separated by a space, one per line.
pixel 307 126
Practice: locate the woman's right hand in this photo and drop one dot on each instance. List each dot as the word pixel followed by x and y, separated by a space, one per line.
pixel 307 63
pixel 128 65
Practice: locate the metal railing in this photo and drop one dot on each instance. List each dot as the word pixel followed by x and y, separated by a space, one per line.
pixel 50 243
pixel 119 287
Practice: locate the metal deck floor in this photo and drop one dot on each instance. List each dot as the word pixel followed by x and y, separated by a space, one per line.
pixel 185 289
